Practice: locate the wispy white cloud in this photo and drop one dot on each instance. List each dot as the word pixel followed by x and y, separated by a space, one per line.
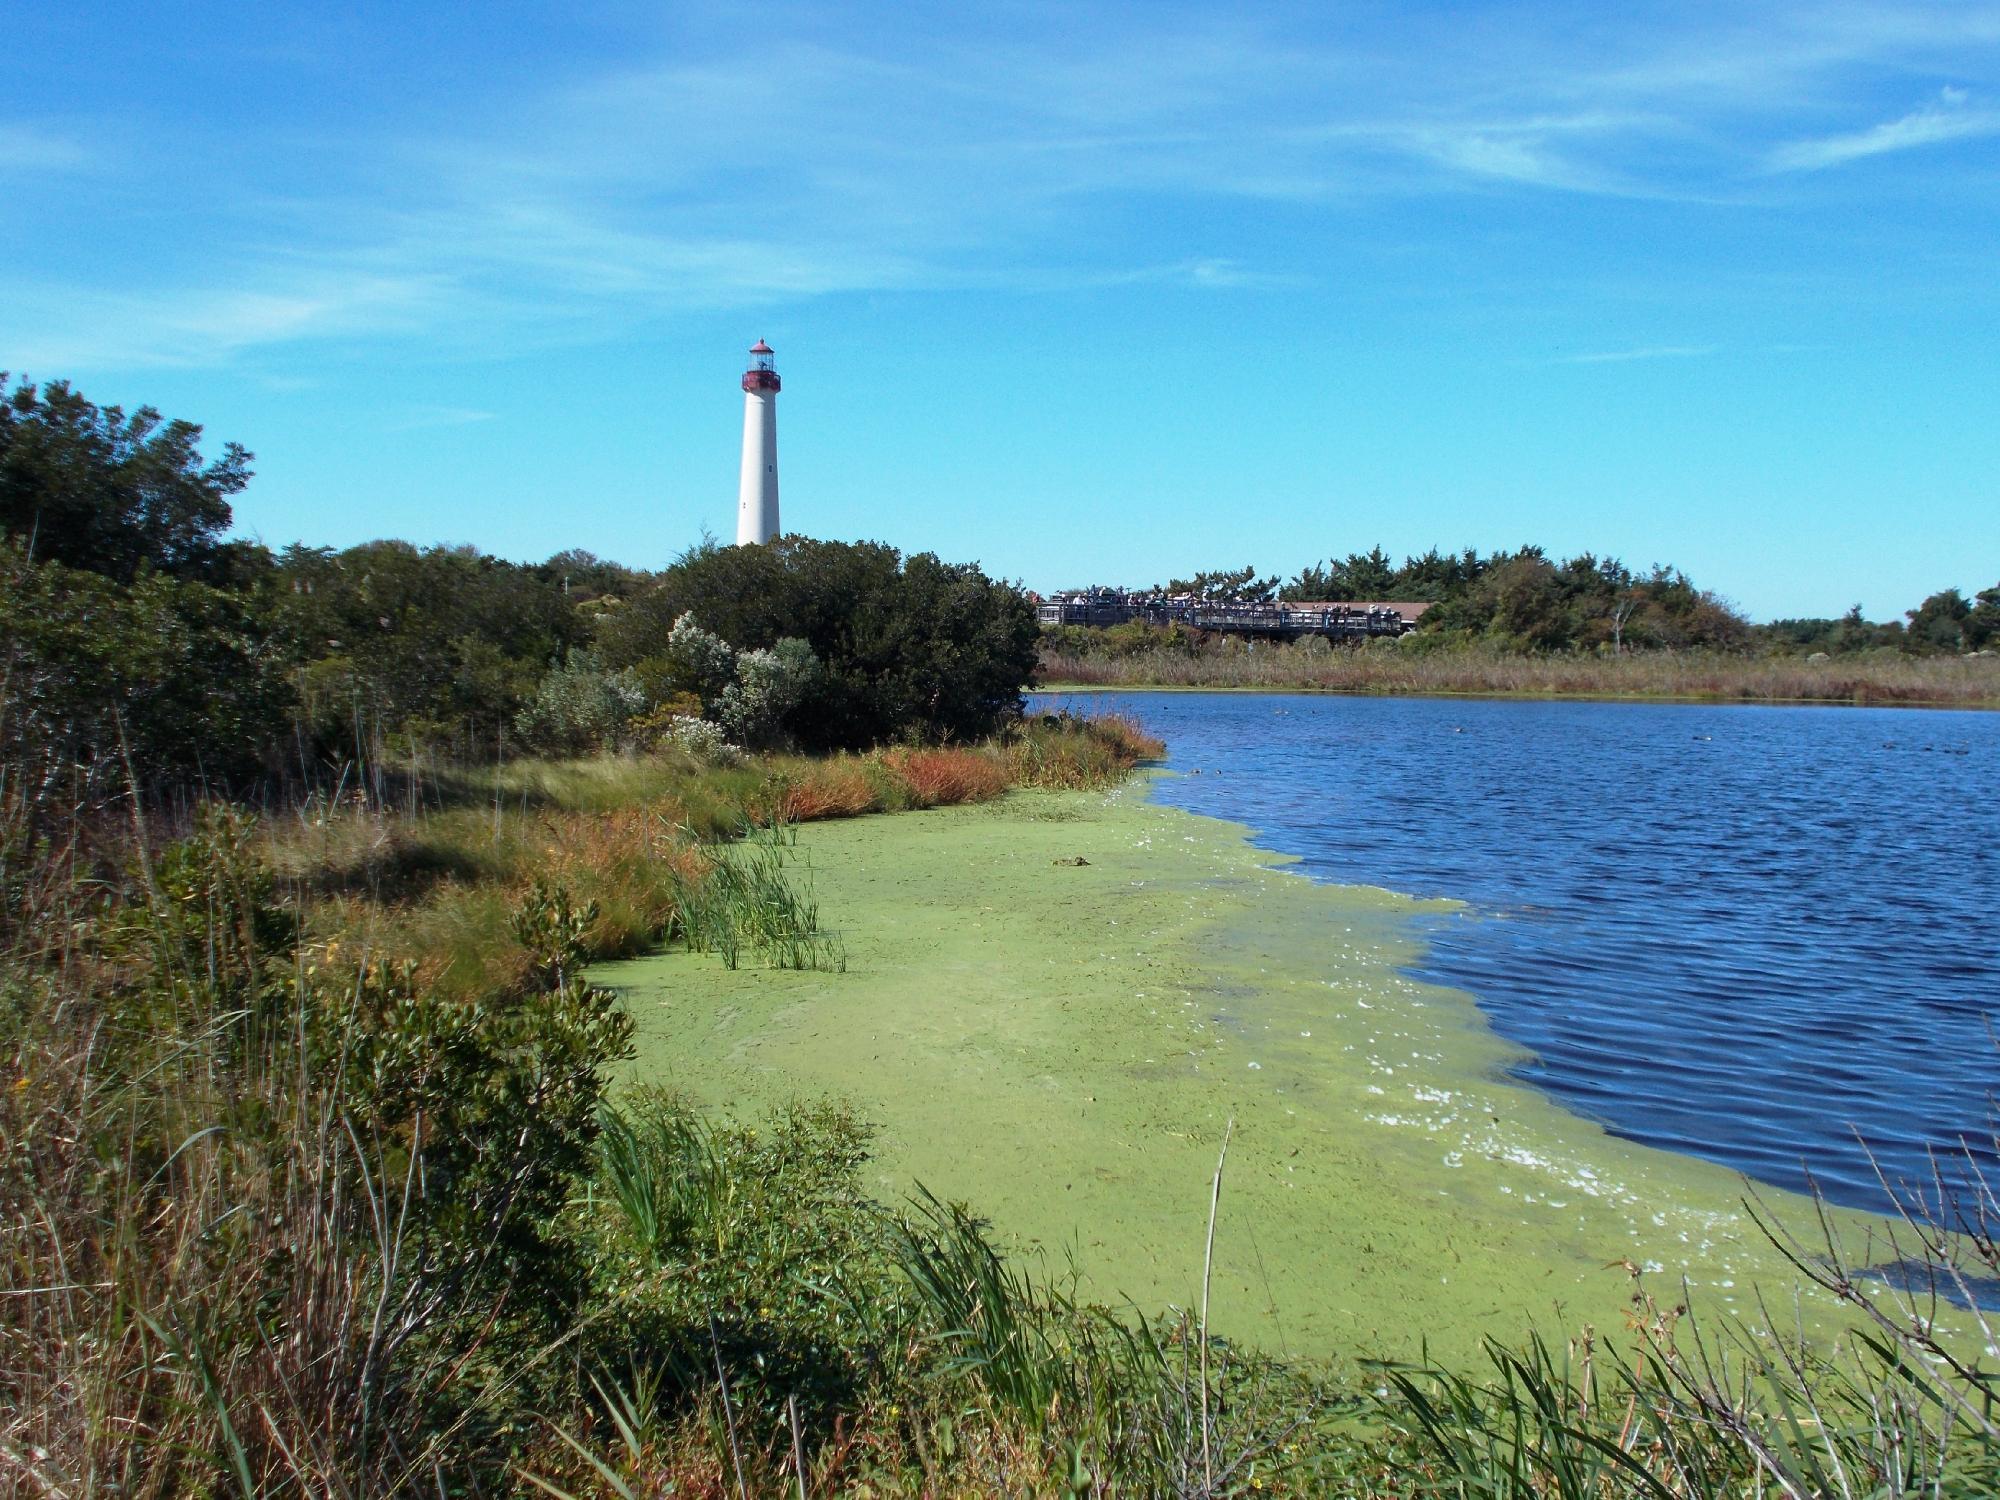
pixel 741 172
pixel 61 327
pixel 1223 274
pixel 1950 117
pixel 30 148
pixel 420 417
pixel 1629 356
pixel 1566 153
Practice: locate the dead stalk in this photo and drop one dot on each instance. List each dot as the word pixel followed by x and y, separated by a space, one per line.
pixel 1207 1272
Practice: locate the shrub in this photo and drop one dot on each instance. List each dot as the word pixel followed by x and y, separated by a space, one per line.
pixel 580 707
pixel 307 1216
pixel 909 646
pixel 699 739
pixel 748 1247
pixel 164 678
pixel 766 688
pixel 696 661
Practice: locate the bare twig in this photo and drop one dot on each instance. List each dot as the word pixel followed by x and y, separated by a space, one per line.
pixel 798 1447
pixel 1207 1271
pixel 728 1412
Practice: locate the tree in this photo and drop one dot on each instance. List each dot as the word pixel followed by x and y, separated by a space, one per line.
pixel 95 489
pixel 1981 626
pixel 1627 605
pixel 1228 586
pixel 585 578
pixel 171 673
pixel 1365 576
pixel 906 646
pixel 1938 624
pixel 1310 584
pixel 1435 576
pixel 1528 605
pixel 439 639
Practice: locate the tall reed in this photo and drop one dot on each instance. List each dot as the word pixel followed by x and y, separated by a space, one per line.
pixel 744 901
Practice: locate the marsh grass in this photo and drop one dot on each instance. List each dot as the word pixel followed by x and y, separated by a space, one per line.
pixel 216 1273
pixel 656 844
pixel 746 901
pixel 1046 750
pixel 309 1185
pixel 431 876
pixel 1411 668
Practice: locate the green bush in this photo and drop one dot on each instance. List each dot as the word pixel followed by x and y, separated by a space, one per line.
pixel 907 646
pixel 580 707
pixel 164 680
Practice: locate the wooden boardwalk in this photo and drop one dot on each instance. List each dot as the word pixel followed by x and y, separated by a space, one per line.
pixel 1278 621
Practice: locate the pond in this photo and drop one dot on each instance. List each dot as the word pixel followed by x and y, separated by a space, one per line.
pixel 1767 936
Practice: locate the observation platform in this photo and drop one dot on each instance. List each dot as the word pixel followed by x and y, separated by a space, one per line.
pixel 1336 621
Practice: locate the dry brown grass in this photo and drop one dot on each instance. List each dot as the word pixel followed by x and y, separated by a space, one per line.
pixel 436 886
pixel 1962 682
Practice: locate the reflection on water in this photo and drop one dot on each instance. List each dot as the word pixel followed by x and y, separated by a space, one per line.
pixel 1760 935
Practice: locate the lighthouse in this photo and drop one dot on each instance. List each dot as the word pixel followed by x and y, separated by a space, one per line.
pixel 757 497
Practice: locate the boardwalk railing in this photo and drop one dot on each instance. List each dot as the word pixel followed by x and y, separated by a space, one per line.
pixel 1241 619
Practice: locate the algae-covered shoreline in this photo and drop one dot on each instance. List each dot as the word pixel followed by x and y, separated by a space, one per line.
pixel 1062 1044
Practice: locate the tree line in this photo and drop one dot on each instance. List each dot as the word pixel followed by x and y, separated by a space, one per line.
pixel 1526 600
pixel 134 629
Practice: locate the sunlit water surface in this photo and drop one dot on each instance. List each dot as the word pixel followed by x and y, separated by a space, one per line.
pixel 1760 935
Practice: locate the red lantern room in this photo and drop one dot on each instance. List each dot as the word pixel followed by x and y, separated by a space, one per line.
pixel 762 375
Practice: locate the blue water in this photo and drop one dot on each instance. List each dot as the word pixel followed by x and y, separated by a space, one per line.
pixel 1764 936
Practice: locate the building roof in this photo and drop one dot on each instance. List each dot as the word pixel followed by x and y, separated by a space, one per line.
pixel 760 347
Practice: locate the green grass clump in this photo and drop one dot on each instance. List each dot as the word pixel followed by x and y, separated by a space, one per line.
pixel 1069 752
pixel 744 901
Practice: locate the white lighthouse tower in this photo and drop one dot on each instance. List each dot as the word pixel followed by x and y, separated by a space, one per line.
pixel 757 498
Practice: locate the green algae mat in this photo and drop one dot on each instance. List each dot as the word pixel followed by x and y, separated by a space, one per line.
pixel 1052 1007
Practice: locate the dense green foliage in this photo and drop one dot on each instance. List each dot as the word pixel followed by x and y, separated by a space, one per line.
pixel 165 669
pixel 1525 601
pixel 1227 585
pixel 904 646
pixel 438 642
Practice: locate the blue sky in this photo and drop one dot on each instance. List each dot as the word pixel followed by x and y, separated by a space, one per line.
pixel 1083 292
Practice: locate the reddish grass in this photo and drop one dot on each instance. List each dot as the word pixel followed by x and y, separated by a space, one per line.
pixel 939 778
pixel 830 789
